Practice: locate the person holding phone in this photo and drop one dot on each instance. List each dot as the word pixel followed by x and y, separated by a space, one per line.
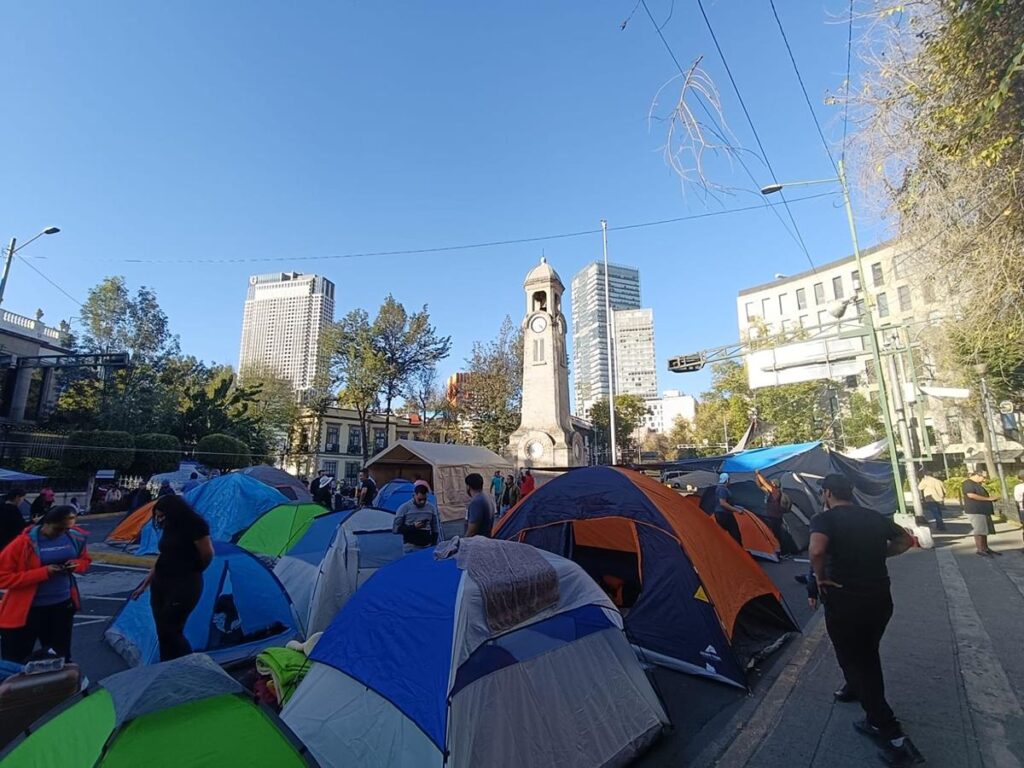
pixel 37 570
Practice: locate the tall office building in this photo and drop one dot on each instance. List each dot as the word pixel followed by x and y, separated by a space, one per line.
pixel 590 326
pixel 635 370
pixel 285 314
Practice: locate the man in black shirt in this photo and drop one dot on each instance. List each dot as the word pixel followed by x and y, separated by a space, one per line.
pixel 12 522
pixel 848 549
pixel 367 489
pixel 978 508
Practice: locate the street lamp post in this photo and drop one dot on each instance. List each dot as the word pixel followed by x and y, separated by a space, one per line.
pixel 609 327
pixel 872 335
pixel 12 249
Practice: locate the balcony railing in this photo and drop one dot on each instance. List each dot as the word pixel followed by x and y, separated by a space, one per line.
pixel 331 448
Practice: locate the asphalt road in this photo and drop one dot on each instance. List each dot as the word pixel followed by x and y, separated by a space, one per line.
pixel 699 708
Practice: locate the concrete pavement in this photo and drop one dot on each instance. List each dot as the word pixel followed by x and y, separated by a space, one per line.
pixel 953 666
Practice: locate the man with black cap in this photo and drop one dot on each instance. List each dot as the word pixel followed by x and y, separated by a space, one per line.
pixel 848 549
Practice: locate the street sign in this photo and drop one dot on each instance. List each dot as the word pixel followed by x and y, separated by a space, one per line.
pixel 687 363
pixel 1006 407
pixel 828 358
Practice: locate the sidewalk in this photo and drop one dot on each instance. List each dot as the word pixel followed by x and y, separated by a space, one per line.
pixel 953 667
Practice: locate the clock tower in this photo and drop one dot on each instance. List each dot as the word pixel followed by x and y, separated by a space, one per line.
pixel 545 437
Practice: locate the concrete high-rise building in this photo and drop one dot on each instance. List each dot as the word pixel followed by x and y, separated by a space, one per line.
pixel 590 323
pixel 635 368
pixel 285 315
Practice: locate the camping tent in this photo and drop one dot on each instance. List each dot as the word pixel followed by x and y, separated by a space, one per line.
pixel 289 485
pixel 693 600
pixel 130 528
pixel 328 564
pixel 243 609
pixel 410 673
pixel 395 493
pixel 755 534
pixel 276 532
pixel 443 466
pixel 230 504
pixel 186 712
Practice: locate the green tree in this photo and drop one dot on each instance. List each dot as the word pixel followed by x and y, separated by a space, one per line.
pixel 223 452
pixel 682 433
pixel 357 367
pixel 862 422
pixel 89 451
pixel 155 453
pixel 493 396
pixel 630 413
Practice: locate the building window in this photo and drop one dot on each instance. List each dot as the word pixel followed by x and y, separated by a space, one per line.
pixel 803 321
pixel 766 305
pixel 954 431
pixel 819 293
pixel 748 309
pixel 837 287
pixel 896 268
pixel 355 440
pixel 876 274
pixel 330 467
pixel 783 299
pixel 883 305
pixel 855 279
pixel 402 435
pixel 351 471
pixel 904 296
pixel 928 290
pixel 822 316
pixel 331 443
pixel 538 350
pixel 801 298
pixel 787 324
pixel 380 439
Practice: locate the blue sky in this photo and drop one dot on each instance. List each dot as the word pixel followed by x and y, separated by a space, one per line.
pixel 233 138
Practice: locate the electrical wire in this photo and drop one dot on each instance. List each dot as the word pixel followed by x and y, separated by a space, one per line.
pixel 753 129
pixel 473 246
pixel 846 105
pixel 718 129
pixel 39 272
pixel 803 88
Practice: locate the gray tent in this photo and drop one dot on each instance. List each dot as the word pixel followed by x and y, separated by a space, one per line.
pixel 287 484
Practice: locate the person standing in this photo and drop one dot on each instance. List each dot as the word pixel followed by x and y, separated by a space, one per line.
pixel 141 496
pixel 979 510
pixel 848 549
pixel 11 520
pixel 176 580
pixel 367 489
pixel 479 513
pixel 773 510
pixel 510 496
pixel 37 570
pixel 417 520
pixel 725 511
pixel 165 490
pixel 933 494
pixel 497 487
pixel 528 484
pixel 1018 495
pixel 193 482
pixel 40 505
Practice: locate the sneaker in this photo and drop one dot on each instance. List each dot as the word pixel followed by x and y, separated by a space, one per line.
pixel 987 553
pixel 904 755
pixel 845 695
pixel 863 726
pixel 995 552
pixel 800 578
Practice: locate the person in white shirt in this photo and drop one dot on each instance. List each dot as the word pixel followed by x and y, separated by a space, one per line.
pixel 1018 495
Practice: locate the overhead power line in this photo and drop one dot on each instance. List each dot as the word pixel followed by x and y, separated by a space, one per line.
pixel 753 128
pixel 473 246
pixel 39 272
pixel 846 101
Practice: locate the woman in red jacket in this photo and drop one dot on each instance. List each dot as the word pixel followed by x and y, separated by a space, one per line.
pixel 37 570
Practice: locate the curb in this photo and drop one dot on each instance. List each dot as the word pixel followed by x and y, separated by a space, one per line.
pixel 745 731
pixel 122 558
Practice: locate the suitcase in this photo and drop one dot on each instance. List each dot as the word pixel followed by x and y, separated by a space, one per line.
pixel 26 698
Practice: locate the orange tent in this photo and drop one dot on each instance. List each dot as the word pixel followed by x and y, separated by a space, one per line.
pixel 129 529
pixel 757 537
pixel 692 598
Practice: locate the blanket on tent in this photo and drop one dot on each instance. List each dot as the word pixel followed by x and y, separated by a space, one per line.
pixel 515 579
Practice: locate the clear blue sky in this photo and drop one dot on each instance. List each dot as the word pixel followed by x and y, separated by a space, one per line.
pixel 247 131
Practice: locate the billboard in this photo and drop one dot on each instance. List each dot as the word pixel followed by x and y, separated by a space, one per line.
pixel 830 358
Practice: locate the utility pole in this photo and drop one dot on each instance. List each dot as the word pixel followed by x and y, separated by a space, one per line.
pixel 908 446
pixel 7 267
pixel 991 441
pixel 609 329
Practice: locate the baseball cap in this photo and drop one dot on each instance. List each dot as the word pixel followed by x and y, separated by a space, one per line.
pixel 840 485
pixel 724 477
pixel 421 484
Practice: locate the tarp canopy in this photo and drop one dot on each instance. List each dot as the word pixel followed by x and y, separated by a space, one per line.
pixel 186 712
pixel 13 476
pixel 180 476
pixel 693 600
pixel 243 609
pixel 287 484
pixel 410 673
pixel 443 466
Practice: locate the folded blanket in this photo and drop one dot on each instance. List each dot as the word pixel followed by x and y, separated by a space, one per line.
pixel 515 579
pixel 286 667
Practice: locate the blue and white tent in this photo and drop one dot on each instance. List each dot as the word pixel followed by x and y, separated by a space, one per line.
pixel 395 493
pixel 243 609
pixel 410 674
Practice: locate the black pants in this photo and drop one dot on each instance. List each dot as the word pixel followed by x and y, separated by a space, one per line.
pixel 774 525
pixel 172 600
pixel 49 624
pixel 856 623
pixel 727 520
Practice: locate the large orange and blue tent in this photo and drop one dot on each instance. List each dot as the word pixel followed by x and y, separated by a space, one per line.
pixel 692 599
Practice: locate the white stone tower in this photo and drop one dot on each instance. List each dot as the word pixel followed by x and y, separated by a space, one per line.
pixel 545 437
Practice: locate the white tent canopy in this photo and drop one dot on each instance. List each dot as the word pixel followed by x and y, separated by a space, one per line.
pixel 443 466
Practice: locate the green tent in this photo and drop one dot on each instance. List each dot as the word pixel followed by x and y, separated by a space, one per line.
pixel 186 712
pixel 277 531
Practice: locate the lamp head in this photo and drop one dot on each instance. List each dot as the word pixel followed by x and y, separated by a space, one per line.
pixel 838 308
pixel 771 189
pixel 51 230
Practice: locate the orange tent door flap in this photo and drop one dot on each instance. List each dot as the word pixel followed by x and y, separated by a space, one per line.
pixel 129 529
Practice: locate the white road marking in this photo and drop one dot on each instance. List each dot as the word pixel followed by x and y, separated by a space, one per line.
pixel 990 696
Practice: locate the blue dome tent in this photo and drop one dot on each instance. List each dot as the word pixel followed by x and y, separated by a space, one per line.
pixel 244 609
pixel 395 493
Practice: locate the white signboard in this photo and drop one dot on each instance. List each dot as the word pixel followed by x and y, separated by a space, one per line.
pixel 806 361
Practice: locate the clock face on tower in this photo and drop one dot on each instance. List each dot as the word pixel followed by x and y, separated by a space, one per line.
pixel 539 324
pixel 535 450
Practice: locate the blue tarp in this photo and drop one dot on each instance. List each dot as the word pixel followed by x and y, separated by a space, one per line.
pixel 762 458
pixel 395 493
pixel 11 476
pixel 374 640
pixel 234 577
pixel 230 504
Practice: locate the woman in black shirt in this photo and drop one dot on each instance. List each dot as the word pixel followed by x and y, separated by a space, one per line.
pixel 176 581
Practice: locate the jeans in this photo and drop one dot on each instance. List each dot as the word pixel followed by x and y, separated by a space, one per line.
pixel 856 622
pixel 935 509
pixel 173 600
pixel 49 624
